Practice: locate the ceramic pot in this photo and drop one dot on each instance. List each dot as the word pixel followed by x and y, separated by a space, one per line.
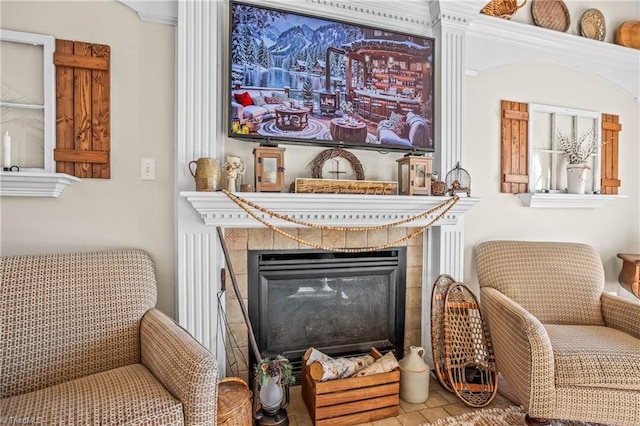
pixel 577 178
pixel 414 376
pixel 271 395
pixel 208 175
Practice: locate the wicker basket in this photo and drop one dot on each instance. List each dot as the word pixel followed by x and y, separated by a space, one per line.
pixel 234 402
pixel 502 8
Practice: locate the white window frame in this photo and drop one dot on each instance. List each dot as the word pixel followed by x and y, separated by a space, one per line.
pixel 555 151
pixel 49 75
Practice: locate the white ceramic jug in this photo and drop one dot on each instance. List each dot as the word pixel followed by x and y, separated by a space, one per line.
pixel 414 376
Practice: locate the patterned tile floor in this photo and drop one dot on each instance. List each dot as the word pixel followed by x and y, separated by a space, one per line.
pixel 441 404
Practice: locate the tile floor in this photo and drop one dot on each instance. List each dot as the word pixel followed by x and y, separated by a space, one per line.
pixel 441 404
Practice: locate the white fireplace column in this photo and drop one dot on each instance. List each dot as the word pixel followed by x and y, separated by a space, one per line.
pixel 444 245
pixel 198 120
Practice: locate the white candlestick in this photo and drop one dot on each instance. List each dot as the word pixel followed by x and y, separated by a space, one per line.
pixel 6 150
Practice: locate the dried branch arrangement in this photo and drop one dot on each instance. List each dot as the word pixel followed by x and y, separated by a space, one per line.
pixel 577 150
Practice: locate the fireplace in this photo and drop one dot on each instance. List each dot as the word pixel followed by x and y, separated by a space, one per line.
pixel 340 303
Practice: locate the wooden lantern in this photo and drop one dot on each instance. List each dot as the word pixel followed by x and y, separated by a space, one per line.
pixel 414 175
pixel 269 168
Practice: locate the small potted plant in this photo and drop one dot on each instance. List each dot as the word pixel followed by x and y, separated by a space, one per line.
pixel 307 95
pixel 272 375
pixel 576 151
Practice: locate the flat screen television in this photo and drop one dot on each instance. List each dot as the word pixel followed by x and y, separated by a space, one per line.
pixel 302 79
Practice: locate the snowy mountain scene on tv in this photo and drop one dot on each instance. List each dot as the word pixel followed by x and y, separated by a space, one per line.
pixel 298 78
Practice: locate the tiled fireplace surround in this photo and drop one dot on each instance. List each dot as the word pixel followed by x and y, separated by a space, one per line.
pixel 240 240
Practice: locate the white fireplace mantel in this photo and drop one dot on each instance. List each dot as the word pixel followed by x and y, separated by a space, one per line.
pixel 216 208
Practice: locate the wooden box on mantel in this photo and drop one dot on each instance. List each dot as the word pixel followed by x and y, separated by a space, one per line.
pixel 351 401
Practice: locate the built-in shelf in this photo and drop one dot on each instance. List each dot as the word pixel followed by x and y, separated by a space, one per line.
pixel 33 184
pixel 217 209
pixel 566 201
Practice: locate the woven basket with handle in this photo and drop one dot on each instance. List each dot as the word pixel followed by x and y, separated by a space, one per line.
pixel 502 8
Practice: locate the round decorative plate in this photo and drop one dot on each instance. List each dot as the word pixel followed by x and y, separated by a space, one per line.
pixel 551 14
pixel 592 24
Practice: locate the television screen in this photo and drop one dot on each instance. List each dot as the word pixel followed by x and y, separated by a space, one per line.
pixel 303 79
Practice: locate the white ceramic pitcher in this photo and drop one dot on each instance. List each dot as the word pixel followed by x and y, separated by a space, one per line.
pixel 414 376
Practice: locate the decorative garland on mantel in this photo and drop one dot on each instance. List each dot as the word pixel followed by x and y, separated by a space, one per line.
pixel 244 204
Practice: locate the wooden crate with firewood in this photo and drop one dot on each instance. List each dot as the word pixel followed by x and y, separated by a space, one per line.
pixel 353 400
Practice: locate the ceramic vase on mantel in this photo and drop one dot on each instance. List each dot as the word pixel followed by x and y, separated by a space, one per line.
pixel 577 178
pixel 271 395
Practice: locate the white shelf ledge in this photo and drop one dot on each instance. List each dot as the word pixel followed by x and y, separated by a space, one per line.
pixel 566 201
pixel 217 209
pixel 31 184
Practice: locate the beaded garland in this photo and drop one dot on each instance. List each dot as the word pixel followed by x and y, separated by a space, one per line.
pixel 243 203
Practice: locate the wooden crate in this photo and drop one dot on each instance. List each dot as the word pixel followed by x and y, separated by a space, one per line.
pixel 351 401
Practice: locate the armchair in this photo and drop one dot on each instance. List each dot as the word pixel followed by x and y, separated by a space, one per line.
pixel 82 344
pixel 566 349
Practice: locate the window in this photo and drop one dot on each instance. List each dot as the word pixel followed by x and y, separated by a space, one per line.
pixel 531 159
pixel 547 164
pixel 27 100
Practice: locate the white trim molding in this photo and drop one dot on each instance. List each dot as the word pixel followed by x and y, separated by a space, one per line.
pixel 34 184
pixel 566 201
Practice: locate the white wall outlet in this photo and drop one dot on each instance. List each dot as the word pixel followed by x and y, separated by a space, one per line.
pixel 148 169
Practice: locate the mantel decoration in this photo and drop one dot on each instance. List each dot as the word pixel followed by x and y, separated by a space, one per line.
pixel 235 168
pixel 458 180
pixel 414 175
pixel 247 205
pixel 269 168
pixel 577 150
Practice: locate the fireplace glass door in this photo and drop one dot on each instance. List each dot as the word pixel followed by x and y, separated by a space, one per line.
pixel 341 304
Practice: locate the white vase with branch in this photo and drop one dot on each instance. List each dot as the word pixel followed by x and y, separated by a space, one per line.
pixel 577 150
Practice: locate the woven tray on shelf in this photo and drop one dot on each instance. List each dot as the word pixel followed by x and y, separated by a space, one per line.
pixel 592 25
pixel 502 8
pixel 551 14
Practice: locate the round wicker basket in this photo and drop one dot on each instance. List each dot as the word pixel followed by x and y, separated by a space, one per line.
pixel 502 8
pixel 234 402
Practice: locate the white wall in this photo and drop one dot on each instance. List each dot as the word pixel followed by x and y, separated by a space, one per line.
pixel 612 229
pixel 122 211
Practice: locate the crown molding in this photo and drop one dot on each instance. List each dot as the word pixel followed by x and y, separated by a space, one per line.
pixel 157 11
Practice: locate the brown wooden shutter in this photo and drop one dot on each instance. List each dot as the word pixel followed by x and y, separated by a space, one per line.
pixel 609 182
pixel 83 135
pixel 515 121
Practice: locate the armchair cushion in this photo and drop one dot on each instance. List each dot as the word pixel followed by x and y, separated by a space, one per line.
pixel 594 356
pixel 115 397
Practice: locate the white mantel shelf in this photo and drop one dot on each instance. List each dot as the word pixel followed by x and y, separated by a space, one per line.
pixel 566 201
pixel 217 209
pixel 34 184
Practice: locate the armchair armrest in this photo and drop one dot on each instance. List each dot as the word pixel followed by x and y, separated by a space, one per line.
pixel 523 352
pixel 185 367
pixel 621 314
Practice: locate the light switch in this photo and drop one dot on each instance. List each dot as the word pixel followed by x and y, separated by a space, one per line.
pixel 148 169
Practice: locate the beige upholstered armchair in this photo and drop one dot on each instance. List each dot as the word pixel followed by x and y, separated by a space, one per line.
pixel 82 344
pixel 566 349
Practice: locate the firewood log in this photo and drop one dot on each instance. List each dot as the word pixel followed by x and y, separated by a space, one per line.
pixel 338 368
pixel 383 365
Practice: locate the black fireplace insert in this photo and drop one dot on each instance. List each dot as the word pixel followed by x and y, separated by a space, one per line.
pixel 340 303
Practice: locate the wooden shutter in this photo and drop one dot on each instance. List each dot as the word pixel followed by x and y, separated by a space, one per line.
pixel 515 120
pixel 83 135
pixel 609 182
